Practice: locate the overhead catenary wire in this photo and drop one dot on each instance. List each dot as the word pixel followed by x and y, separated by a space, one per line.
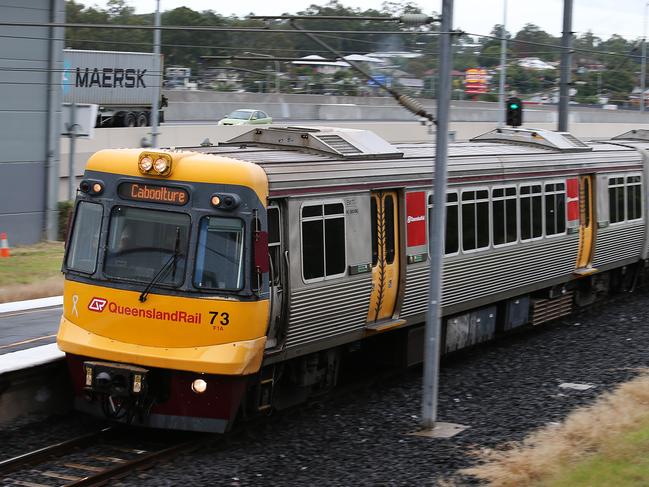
pixel 626 57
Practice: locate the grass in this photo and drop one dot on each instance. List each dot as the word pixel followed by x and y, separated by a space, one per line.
pixel 32 271
pixel 605 444
pixel 622 461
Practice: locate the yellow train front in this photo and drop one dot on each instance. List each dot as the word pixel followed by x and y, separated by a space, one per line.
pixel 166 292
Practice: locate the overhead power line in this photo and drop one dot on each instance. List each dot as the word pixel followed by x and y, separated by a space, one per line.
pixel 198 28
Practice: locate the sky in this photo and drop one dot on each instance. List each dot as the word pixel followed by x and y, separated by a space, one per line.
pixel 602 17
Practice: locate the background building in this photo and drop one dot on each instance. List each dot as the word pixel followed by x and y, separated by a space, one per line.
pixel 31 70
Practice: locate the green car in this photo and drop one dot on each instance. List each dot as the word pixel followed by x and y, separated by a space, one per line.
pixel 246 116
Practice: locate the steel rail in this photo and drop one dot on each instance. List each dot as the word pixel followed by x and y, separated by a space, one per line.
pixel 12 464
pixel 123 469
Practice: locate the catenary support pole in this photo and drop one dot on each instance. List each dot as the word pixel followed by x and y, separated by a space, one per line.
pixel 72 134
pixel 503 69
pixel 566 61
pixel 643 68
pixel 157 83
pixel 53 135
pixel 436 235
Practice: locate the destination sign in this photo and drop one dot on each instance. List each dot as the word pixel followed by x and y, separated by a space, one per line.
pixel 153 193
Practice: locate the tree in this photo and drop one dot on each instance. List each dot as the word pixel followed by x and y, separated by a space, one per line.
pixel 531 41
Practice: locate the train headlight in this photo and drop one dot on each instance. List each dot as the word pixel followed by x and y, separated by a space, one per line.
pixel 155 163
pixel 161 165
pixel 199 386
pixel 91 187
pixel 145 164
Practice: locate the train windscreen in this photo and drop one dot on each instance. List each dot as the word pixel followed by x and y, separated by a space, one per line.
pixel 141 241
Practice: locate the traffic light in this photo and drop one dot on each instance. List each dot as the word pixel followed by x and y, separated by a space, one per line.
pixel 514 112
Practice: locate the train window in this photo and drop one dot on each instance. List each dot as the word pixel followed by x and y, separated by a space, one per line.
pixel 624 198
pixel 219 257
pixel 531 216
pixel 273 225
pixel 334 209
pixel 475 219
pixel 323 241
pixel 555 208
pixel 315 210
pixel 616 199
pixel 84 243
pixel 505 215
pixel 142 241
pixel 452 242
pixel 633 198
pixel 274 242
pixel 389 229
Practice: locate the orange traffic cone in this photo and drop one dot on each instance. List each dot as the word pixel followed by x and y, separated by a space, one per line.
pixel 4 245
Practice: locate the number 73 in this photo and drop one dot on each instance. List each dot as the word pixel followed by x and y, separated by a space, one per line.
pixel 225 318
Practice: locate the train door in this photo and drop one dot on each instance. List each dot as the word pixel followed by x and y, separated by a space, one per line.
pixel 385 255
pixel 277 279
pixel 586 227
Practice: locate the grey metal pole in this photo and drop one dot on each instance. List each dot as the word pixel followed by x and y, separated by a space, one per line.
pixel 277 89
pixel 72 134
pixel 503 69
pixel 566 60
pixel 158 81
pixel 53 136
pixel 643 69
pixel 437 232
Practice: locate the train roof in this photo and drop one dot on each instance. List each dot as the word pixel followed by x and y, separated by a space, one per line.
pixel 299 160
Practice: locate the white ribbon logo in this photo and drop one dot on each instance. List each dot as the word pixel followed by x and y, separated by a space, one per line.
pixel 75 300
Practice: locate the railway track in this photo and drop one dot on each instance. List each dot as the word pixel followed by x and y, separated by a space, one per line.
pixel 95 458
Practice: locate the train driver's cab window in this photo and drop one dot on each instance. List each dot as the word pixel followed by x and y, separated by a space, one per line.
pixel 144 242
pixel 624 198
pixel 555 208
pixel 84 243
pixel 219 257
pixel 475 219
pixel 323 240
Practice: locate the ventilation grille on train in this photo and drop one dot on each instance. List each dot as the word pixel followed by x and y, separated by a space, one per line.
pixel 339 142
pixel 550 309
pixel 559 141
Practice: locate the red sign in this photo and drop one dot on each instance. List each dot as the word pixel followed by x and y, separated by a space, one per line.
pixel 572 197
pixel 97 304
pixel 475 81
pixel 416 218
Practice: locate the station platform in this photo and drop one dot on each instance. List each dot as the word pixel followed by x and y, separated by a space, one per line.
pixel 28 333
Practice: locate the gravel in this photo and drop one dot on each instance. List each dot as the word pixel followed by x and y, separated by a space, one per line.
pixel 502 391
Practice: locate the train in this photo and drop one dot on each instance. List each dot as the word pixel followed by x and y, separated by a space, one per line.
pixel 212 283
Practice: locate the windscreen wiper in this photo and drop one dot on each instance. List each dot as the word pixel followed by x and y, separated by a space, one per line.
pixel 163 270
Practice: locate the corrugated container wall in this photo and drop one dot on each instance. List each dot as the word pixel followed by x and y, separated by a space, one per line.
pixel 109 78
pixel 30 113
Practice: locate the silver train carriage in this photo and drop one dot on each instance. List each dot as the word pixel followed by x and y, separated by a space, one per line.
pixel 538 222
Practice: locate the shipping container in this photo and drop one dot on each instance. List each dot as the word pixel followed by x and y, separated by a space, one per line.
pixel 123 84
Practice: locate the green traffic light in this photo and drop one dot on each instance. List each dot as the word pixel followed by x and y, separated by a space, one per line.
pixel 513 106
